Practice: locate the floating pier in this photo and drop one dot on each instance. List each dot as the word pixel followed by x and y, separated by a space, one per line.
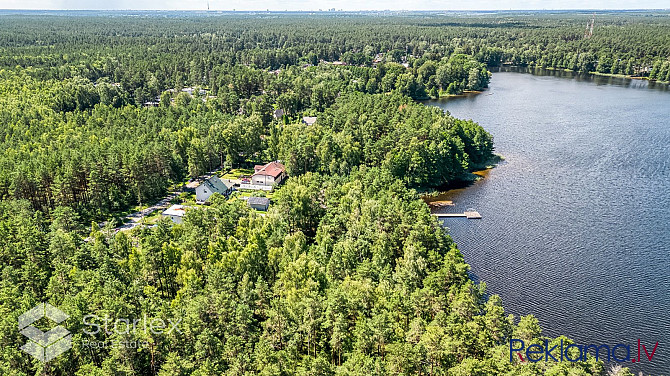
pixel 470 214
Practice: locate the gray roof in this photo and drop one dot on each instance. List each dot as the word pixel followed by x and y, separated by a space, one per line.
pixel 259 201
pixel 215 185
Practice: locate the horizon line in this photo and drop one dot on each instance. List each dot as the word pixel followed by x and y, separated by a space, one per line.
pixel 337 10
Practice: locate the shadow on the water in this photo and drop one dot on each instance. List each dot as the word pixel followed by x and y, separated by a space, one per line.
pixel 446 191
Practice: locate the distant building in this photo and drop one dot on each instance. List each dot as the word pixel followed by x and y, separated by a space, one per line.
pixel 268 175
pixel 191 91
pixel 278 113
pixel 309 120
pixel 209 187
pixel 176 213
pixel 259 203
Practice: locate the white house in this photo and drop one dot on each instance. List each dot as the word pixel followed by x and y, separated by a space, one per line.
pixel 176 213
pixel 211 186
pixel 268 175
pixel 259 203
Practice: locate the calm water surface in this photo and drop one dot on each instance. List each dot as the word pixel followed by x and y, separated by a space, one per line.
pixel 576 221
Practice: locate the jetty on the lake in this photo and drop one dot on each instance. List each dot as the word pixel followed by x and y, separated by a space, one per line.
pixel 469 214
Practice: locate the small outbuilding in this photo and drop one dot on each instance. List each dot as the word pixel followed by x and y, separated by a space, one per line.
pixel 259 203
pixel 309 120
pixel 278 113
pixel 176 213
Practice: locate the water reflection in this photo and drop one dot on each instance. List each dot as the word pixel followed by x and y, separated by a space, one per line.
pixel 635 83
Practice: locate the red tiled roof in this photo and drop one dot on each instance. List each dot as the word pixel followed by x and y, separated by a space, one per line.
pixel 273 169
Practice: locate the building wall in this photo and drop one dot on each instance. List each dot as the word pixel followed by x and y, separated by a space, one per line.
pixel 256 187
pixel 262 180
pixel 259 207
pixel 202 193
pixel 175 218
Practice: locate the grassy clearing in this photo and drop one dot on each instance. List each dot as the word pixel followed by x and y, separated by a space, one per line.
pixel 153 217
pixel 236 172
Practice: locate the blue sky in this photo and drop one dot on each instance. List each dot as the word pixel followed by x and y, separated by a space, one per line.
pixel 338 4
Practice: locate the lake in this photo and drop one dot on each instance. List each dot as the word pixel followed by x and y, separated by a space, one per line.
pixel 576 220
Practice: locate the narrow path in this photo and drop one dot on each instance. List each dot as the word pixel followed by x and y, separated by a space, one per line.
pixel 135 219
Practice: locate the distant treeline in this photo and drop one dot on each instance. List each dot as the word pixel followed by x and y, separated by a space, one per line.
pixel 150 54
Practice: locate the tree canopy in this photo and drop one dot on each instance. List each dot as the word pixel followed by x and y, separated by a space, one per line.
pixel 347 273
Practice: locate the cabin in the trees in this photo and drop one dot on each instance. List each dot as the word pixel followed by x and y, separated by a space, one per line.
pixel 259 203
pixel 209 187
pixel 268 175
pixel 176 213
pixel 309 120
pixel 192 91
pixel 278 113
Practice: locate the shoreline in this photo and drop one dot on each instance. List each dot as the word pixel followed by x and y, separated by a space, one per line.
pixel 593 73
pixel 476 174
pixel 464 93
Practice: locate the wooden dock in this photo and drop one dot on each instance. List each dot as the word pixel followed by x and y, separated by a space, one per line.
pixel 470 214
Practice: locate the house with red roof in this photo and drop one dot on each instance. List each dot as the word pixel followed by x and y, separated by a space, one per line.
pixel 269 174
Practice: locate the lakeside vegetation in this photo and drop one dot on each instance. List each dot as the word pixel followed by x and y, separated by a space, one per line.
pixel 348 273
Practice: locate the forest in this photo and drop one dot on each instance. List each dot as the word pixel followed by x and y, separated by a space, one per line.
pixel 347 273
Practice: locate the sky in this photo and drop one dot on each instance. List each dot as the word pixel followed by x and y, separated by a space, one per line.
pixel 294 5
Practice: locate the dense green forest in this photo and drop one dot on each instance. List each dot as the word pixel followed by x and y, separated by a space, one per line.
pixel 100 159
pixel 347 273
